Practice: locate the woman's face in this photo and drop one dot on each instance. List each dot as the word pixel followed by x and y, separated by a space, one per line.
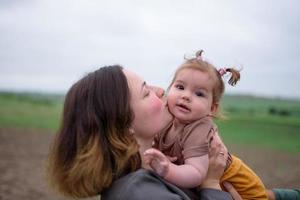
pixel 150 112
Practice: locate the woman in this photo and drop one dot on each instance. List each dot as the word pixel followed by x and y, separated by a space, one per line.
pixel 110 118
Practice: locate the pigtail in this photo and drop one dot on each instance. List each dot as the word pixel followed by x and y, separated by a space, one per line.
pixel 235 75
pixel 199 54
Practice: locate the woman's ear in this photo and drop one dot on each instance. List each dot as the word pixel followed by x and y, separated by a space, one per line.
pixel 131 131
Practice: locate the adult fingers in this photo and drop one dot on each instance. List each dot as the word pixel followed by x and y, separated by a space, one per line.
pixel 215 139
pixel 219 140
pixel 232 191
pixel 214 150
pixel 217 147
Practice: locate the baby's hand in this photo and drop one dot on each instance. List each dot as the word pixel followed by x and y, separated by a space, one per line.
pixel 172 159
pixel 158 161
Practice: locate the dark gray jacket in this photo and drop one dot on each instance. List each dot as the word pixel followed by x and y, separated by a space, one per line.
pixel 146 185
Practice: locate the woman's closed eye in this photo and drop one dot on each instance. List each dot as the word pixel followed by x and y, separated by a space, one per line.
pixel 147 93
pixel 147 90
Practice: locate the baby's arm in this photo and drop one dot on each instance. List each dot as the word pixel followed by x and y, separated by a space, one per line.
pixel 189 175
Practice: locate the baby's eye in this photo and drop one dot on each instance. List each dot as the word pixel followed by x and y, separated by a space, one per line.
pixel 180 87
pixel 199 94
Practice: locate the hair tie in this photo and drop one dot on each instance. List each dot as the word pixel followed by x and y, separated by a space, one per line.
pixel 199 55
pixel 222 71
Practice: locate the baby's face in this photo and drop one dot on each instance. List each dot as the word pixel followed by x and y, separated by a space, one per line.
pixel 190 96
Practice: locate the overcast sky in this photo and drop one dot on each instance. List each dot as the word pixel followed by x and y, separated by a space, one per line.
pixel 46 45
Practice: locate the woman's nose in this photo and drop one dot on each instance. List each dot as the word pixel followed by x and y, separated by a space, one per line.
pixel 158 91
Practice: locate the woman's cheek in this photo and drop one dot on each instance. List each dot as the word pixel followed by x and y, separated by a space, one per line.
pixel 157 105
pixel 161 115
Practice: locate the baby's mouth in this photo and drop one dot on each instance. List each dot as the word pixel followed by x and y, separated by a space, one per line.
pixel 183 107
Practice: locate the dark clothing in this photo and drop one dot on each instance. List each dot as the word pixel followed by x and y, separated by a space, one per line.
pixel 286 194
pixel 146 185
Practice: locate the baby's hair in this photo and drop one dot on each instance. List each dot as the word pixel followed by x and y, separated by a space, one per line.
pixel 235 75
pixel 199 53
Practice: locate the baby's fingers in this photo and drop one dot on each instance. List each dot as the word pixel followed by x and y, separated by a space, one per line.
pixel 172 159
pixel 214 150
pixel 155 154
pixel 148 158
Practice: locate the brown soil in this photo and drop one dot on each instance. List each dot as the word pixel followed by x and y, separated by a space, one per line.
pixel 23 154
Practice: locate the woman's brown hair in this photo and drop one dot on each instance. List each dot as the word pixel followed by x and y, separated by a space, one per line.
pixel 93 145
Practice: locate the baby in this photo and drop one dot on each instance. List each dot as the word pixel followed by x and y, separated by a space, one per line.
pixel 193 98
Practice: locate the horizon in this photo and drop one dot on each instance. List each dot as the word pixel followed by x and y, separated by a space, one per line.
pixel 63 93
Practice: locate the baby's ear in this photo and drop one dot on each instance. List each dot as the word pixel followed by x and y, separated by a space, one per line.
pixel 214 108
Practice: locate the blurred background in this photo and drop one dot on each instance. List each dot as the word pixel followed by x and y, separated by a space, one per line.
pixel 46 46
